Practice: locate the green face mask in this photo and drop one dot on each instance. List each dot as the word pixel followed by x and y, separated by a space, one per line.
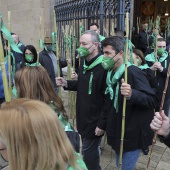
pixel 29 57
pixel 108 63
pixel 83 52
pixel 160 51
pixel 49 48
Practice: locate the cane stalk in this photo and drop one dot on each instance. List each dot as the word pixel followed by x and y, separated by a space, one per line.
pixel 2 64
pixel 124 99
pixel 160 112
pixel 57 52
pixel 39 46
pixel 9 58
pixel 156 40
pixel 73 58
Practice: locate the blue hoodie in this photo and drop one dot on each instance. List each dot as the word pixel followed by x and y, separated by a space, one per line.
pixel 2 95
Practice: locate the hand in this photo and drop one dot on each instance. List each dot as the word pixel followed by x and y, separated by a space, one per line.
pixel 125 89
pixel 158 66
pixel 99 132
pixel 69 61
pixel 153 67
pixel 60 81
pixel 74 75
pixel 161 124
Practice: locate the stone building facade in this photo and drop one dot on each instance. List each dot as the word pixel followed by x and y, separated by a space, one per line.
pixel 25 18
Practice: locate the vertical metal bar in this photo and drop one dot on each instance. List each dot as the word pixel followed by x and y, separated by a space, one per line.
pixel 101 16
pixel 131 17
pixel 121 15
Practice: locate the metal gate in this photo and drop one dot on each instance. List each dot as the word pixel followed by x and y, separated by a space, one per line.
pixel 109 14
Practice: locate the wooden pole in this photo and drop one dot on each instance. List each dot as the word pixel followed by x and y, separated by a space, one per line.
pixel 9 58
pixel 57 52
pixel 39 48
pixel 124 99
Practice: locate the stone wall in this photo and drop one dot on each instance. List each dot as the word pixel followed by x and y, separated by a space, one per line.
pixel 25 18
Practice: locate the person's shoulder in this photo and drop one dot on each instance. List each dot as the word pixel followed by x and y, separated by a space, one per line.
pixel 134 70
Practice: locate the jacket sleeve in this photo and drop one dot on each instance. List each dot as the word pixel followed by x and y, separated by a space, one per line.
pixel 143 95
pixel 71 85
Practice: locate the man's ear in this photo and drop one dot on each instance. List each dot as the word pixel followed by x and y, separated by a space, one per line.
pixel 96 44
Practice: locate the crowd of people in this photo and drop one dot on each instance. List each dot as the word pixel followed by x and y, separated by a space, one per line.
pixel 34 134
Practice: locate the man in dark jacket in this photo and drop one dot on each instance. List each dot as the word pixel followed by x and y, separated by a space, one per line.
pixel 91 106
pixel 49 61
pixel 140 103
pixel 159 65
pixel 161 124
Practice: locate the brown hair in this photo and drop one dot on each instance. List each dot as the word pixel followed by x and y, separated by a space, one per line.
pixel 34 83
pixel 140 54
pixel 34 137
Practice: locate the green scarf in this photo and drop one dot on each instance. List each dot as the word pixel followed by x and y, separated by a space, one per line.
pixel 144 67
pixel 92 65
pixel 101 38
pixel 151 57
pixel 111 80
pixel 65 124
pixel 33 64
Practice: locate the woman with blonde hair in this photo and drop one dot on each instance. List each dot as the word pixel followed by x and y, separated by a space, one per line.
pixel 34 83
pixel 32 138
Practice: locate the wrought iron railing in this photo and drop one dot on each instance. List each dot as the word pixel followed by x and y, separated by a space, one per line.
pixel 109 14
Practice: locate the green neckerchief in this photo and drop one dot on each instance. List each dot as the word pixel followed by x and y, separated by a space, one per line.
pixel 151 57
pixel 144 67
pixel 19 44
pixel 33 64
pixel 101 38
pixel 65 124
pixel 8 36
pixel 92 65
pixel 80 163
pixel 14 92
pixel 111 81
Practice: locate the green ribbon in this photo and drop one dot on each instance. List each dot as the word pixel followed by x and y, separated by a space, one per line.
pixel 9 37
pixel 90 83
pixel 151 57
pixel 92 65
pixel 96 62
pixel 53 35
pixel 33 64
pixel 82 29
pixel 101 38
pixel 65 123
pixel 14 92
pixel 111 80
pixel 144 67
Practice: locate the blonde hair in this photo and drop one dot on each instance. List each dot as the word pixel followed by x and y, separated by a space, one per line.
pixel 34 137
pixel 34 83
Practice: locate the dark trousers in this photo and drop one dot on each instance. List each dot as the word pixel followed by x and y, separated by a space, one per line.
pixel 90 153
